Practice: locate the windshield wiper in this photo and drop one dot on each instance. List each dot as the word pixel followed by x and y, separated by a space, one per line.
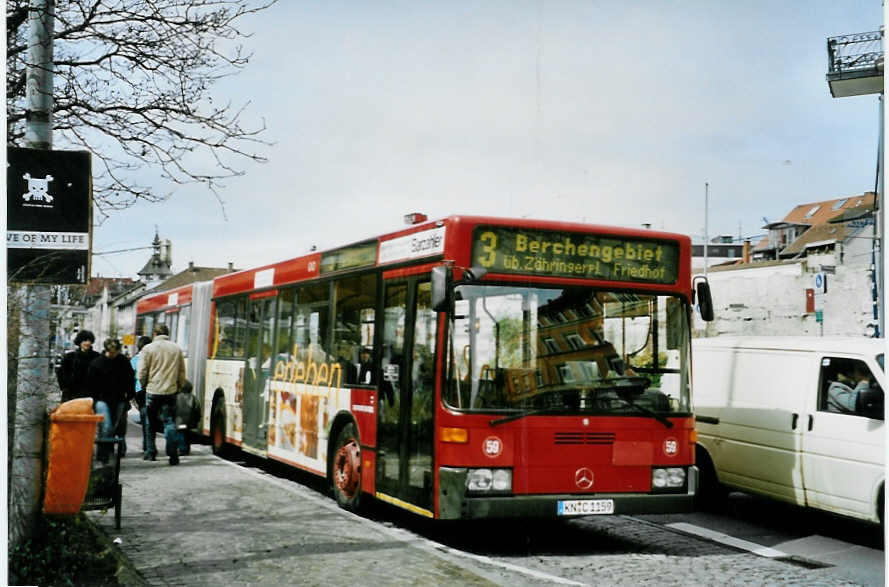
pixel 624 385
pixel 645 410
pixel 520 415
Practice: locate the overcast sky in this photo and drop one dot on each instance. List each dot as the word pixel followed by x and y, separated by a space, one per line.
pixel 607 112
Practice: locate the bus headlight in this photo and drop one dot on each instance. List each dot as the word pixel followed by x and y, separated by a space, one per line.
pixel 502 480
pixel 489 481
pixel 667 478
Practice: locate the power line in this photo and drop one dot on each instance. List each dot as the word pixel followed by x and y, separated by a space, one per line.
pixel 122 251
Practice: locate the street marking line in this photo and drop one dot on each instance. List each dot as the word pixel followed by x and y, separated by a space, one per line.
pixel 400 534
pixel 721 538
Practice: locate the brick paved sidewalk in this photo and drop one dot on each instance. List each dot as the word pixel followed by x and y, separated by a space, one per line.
pixel 212 522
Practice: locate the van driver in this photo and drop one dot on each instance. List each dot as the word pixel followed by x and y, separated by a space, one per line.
pixel 842 397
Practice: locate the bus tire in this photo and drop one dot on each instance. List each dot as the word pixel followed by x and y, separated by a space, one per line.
pixel 346 469
pixel 217 428
pixel 712 494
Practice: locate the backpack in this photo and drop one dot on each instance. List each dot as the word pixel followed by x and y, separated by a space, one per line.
pixel 187 410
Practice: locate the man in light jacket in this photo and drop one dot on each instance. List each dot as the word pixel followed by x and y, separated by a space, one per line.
pixel 161 374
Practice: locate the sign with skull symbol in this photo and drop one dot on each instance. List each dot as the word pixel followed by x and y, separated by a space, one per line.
pixel 48 211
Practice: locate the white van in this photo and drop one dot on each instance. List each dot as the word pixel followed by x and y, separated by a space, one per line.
pixel 785 417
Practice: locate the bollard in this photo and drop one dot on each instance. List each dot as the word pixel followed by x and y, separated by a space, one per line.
pixel 71 435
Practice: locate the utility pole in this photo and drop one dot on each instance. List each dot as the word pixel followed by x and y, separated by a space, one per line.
pixel 34 380
pixel 880 225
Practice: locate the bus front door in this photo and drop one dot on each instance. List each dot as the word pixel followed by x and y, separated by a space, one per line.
pixel 406 404
pixel 260 328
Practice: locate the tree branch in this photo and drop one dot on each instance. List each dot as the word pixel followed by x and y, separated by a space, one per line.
pixel 133 82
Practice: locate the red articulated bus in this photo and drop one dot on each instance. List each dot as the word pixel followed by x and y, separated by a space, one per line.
pixel 468 367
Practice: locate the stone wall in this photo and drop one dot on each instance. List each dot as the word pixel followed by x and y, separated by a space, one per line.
pixel 770 299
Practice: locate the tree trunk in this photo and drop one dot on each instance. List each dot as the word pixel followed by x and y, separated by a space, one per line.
pixel 34 385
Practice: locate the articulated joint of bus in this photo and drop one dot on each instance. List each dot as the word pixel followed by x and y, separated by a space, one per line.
pixel 487 493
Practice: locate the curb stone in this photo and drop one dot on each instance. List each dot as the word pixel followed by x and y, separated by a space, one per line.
pixel 126 574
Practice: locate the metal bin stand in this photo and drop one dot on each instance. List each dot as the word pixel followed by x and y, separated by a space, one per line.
pixel 105 490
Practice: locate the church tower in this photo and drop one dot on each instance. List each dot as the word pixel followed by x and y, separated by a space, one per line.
pixel 158 268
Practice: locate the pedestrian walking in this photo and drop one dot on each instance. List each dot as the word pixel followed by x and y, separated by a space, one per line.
pixel 112 383
pixel 162 374
pixel 140 392
pixel 75 364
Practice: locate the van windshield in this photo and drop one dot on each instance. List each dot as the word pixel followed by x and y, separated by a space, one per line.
pixel 567 350
pixel 880 361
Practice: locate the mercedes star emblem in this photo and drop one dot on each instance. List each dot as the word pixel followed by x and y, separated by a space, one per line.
pixel 583 478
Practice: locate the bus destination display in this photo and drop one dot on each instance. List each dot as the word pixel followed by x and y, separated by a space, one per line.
pixel 506 249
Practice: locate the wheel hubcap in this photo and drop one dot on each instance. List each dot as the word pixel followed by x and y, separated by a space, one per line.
pixel 347 468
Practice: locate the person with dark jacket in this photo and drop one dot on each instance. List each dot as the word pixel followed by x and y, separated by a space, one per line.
pixel 72 373
pixel 113 385
pixel 366 368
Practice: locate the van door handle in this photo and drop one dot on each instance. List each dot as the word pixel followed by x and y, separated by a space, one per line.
pixel 794 421
pixel 811 422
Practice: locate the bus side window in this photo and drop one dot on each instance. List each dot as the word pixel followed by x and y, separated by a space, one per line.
pixel 231 328
pixel 182 329
pixel 141 322
pixel 239 342
pixel 225 328
pixel 284 352
pixel 354 302
pixel 173 325
pixel 310 320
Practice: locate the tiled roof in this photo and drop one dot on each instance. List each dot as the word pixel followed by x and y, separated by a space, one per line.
pixel 191 275
pixel 115 285
pixel 815 213
pixel 858 213
pixel 817 234
pixel 132 293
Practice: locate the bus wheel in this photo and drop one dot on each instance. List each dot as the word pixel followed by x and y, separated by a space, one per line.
pixel 346 470
pixel 217 428
pixel 711 493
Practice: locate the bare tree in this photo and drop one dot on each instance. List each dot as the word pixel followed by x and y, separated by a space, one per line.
pixel 132 82
pixel 132 85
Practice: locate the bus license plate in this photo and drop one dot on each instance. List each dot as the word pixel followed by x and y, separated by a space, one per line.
pixel 586 507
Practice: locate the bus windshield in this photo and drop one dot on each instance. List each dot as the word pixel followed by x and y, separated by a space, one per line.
pixel 568 350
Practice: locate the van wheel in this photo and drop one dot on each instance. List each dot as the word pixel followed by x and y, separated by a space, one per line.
pixel 711 493
pixel 217 429
pixel 346 469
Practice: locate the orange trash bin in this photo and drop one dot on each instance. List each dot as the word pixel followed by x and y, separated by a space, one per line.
pixel 72 432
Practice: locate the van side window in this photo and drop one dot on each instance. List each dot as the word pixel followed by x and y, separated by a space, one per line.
pixel 848 387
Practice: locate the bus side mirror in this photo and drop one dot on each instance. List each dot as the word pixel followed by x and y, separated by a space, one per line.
pixel 705 301
pixel 442 276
